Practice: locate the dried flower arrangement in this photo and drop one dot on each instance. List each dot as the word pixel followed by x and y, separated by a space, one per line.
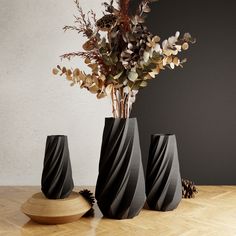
pixel 121 52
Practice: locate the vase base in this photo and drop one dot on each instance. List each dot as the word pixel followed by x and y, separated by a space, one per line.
pixel 59 211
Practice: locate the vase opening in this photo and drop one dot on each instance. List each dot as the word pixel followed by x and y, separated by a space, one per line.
pixel 155 135
pixel 119 118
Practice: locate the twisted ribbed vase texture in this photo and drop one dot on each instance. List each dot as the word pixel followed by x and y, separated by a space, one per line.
pixel 57 182
pixel 120 189
pixel 163 181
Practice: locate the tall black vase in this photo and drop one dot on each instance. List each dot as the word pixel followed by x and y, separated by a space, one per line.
pixel 57 182
pixel 163 181
pixel 120 189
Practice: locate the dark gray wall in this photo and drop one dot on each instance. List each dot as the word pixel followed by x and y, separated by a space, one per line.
pixel 197 103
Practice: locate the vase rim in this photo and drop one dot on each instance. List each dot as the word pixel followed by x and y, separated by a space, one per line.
pixel 128 118
pixel 162 134
pixel 58 136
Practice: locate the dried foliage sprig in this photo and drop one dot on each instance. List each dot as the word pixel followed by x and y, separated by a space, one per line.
pixel 83 24
pixel 126 58
pixel 144 7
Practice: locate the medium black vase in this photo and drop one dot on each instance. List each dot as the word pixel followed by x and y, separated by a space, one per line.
pixel 163 181
pixel 57 182
pixel 120 189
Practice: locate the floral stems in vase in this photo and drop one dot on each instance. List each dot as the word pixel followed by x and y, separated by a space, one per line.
pixel 121 103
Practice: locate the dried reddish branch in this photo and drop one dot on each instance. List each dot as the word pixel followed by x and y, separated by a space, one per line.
pixel 124 7
pixel 83 24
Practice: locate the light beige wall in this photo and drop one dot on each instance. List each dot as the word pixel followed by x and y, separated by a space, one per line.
pixel 33 103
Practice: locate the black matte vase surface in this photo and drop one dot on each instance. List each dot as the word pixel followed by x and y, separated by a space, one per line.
pixel 163 181
pixel 57 182
pixel 120 189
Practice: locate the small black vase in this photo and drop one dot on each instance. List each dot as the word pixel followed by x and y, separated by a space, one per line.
pixel 120 189
pixel 57 182
pixel 163 181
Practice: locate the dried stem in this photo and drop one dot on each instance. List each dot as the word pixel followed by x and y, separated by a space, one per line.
pixel 113 105
pixel 121 106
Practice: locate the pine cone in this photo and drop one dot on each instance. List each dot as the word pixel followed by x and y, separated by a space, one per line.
pixel 188 189
pixel 88 195
pixel 107 22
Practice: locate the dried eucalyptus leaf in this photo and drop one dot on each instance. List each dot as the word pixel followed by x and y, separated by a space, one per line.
pixel 82 77
pixel 136 85
pixel 87 61
pixel 88 81
pixel 118 75
pixel 130 46
pixel 114 58
pixel 141 20
pixel 93 88
pixel 110 79
pixel 102 50
pixel 169 60
pixel 76 72
pixel 132 76
pixel 63 69
pixel 134 20
pixel 146 9
pixel 88 46
pixel 102 77
pixel 187 36
pixel 68 77
pixel 184 60
pixel 149 67
pixel 108 89
pixel 55 71
pixel 176 61
pixel 101 95
pixel 143 84
pixel 94 68
pixel 156 55
pixel 69 72
pixel 172 65
pixel 185 46
pixel 107 60
pixel 152 74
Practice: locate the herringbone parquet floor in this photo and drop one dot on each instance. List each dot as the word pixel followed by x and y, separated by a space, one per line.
pixel 211 213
